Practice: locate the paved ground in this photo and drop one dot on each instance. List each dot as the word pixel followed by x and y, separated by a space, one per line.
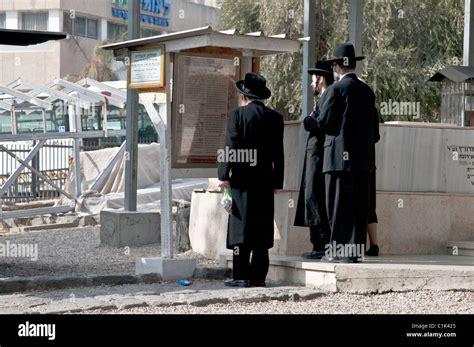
pixel 75 252
pixel 212 297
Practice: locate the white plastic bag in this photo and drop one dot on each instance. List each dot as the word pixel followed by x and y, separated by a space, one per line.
pixel 226 201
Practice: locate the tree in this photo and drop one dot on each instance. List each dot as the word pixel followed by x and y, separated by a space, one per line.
pixel 100 66
pixel 405 42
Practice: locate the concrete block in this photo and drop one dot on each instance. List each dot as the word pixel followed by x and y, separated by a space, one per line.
pixel 168 268
pixel 208 224
pixel 125 228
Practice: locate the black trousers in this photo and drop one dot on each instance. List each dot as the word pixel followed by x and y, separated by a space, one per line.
pixel 347 203
pixel 246 269
pixel 319 236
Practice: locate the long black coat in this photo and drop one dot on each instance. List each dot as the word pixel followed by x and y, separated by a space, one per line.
pixel 311 208
pixel 349 119
pixel 257 128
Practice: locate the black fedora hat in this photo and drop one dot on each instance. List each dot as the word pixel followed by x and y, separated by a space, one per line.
pixel 254 86
pixel 322 68
pixel 344 51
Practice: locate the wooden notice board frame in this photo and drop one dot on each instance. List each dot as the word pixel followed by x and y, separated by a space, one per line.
pixel 156 83
pixel 203 53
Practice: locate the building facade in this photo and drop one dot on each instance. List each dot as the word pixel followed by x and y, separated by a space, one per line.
pixel 89 23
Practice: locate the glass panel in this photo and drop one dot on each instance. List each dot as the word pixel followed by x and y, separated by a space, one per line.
pixel 67 23
pixel 92 28
pixel 91 119
pixel 57 120
pixel 5 123
pixel 34 21
pixel 29 122
pixel 115 118
pixel 116 32
pixel 79 26
pixel 3 20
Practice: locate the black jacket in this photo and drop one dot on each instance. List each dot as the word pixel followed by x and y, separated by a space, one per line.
pixel 349 119
pixel 311 209
pixel 259 128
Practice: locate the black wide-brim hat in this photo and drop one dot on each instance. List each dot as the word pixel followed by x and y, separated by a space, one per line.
pixel 322 68
pixel 254 86
pixel 344 51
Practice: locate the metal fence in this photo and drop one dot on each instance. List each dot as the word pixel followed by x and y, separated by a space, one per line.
pixel 94 144
pixel 53 160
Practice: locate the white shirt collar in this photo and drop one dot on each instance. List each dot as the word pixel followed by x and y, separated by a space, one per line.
pixel 347 73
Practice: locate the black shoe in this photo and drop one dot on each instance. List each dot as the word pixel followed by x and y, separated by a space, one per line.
pixel 373 251
pixel 258 283
pixel 355 260
pixel 313 255
pixel 237 283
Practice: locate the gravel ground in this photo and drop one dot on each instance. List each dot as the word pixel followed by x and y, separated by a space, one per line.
pixel 77 251
pixel 422 302
pixel 393 303
pixel 212 297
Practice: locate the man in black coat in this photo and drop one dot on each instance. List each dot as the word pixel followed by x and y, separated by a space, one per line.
pixel 253 131
pixel 349 119
pixel 311 208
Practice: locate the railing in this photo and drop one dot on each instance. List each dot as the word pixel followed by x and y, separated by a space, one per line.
pixel 53 161
pixel 94 144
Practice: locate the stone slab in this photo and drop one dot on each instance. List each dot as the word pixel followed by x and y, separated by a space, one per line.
pixel 125 228
pixel 168 268
pixel 375 275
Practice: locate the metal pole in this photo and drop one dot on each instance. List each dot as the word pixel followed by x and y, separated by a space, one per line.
pixel 356 27
pixel 131 145
pixel 468 53
pixel 309 60
pixel 166 193
pixel 13 120
pixel 34 177
pixel 74 114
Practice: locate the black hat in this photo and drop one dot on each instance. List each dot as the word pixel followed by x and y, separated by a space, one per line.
pixel 322 68
pixel 254 86
pixel 345 51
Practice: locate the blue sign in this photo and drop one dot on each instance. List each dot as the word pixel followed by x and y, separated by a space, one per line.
pixel 155 6
pixel 116 12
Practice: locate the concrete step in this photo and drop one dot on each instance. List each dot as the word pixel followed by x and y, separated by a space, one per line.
pixel 463 248
pixel 394 273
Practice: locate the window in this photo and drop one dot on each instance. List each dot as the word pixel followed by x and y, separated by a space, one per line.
pixel 81 26
pixel 145 32
pixel 67 23
pixel 92 28
pixel 116 32
pixel 3 20
pixel 34 21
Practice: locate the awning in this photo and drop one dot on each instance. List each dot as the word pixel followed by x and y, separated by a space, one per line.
pixel 25 37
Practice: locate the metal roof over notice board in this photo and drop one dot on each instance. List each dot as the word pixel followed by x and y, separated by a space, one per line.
pixel 250 44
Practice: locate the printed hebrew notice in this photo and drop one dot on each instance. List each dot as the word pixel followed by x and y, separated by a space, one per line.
pixel 205 94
